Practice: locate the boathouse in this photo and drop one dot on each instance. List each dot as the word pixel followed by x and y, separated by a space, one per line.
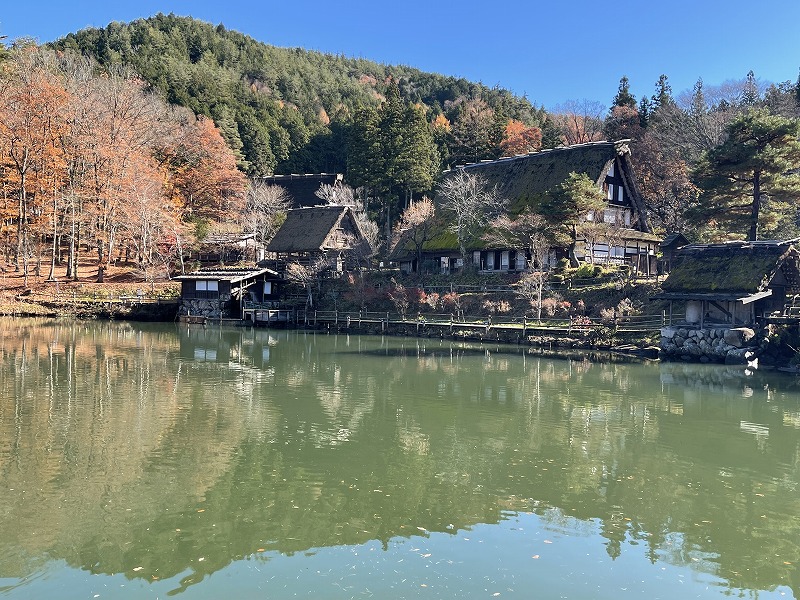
pixel 732 283
pixel 222 293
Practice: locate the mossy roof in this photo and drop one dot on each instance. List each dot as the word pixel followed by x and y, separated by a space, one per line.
pixel 528 179
pixel 730 267
pixel 302 189
pixel 308 229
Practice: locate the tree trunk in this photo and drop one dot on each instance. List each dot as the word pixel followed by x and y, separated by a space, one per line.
pixel 52 275
pixel 753 234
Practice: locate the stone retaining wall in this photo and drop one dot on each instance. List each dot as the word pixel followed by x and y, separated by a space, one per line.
pixel 732 346
pixel 211 309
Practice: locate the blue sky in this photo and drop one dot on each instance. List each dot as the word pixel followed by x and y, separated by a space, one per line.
pixel 552 51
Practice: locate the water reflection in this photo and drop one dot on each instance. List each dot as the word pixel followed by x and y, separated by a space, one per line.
pixel 172 452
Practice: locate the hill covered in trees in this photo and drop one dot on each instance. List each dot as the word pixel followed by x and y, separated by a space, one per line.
pixel 393 129
pixel 289 110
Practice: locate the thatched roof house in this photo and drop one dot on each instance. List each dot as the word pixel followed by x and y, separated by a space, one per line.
pixel 529 180
pixel 733 282
pixel 330 231
pixel 302 189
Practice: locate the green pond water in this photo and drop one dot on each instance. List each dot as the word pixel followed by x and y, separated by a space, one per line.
pixel 171 460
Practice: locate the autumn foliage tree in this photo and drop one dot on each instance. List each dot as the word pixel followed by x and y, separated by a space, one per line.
pixel 519 139
pixel 97 162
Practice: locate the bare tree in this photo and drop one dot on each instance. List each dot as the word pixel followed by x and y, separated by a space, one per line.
pixel 307 276
pixel 471 203
pixel 415 226
pixel 266 210
pixel 529 231
pixel 580 121
pixel 355 198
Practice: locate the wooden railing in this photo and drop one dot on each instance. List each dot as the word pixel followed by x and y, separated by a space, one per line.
pixel 627 324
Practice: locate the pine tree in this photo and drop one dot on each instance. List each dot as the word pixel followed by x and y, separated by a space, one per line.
pixel 750 94
pixel 663 96
pixel 645 109
pixel 624 96
pixel 755 168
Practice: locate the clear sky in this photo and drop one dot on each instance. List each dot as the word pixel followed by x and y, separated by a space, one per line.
pixel 552 51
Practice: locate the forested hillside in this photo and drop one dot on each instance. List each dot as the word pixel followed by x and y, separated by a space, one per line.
pixel 286 110
pixel 393 129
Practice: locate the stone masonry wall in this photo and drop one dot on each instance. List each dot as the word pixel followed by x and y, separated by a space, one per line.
pixel 737 346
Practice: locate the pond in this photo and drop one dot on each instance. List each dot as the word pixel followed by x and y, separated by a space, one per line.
pixel 160 460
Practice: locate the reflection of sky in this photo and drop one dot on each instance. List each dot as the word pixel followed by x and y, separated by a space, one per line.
pixel 524 556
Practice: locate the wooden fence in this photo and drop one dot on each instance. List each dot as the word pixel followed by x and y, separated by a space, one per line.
pixel 527 325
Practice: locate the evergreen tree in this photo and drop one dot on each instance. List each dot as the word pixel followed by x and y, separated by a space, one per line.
pixel 624 96
pixel 663 96
pixel 256 146
pixel 755 168
pixel 569 205
pixel 645 109
pixel 698 106
pixel 364 155
pixel 417 162
pixel 797 91
pixel 750 93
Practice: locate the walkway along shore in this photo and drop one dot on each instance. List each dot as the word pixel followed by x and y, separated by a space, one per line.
pixel 632 335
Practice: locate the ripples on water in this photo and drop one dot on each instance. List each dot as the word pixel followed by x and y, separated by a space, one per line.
pixel 202 462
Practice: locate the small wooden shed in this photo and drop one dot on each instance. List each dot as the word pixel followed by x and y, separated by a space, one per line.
pixel 732 283
pixel 222 293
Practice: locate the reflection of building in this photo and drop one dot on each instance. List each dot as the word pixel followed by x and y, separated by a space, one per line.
pixel 222 293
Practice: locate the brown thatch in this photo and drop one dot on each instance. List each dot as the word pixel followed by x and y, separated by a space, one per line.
pixel 317 229
pixel 302 189
pixel 528 179
pixel 737 268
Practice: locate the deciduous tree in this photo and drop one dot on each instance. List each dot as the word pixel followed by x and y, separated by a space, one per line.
pixel 415 227
pixel 520 139
pixel 470 203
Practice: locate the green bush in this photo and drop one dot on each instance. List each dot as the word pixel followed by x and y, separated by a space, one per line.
pixel 585 271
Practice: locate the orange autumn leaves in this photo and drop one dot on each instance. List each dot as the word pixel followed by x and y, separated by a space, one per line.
pixel 100 162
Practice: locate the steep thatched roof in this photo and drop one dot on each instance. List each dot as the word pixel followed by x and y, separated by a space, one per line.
pixel 731 268
pixel 313 229
pixel 302 189
pixel 528 179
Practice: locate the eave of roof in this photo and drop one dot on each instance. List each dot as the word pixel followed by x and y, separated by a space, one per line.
pixel 232 275
pixel 744 299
